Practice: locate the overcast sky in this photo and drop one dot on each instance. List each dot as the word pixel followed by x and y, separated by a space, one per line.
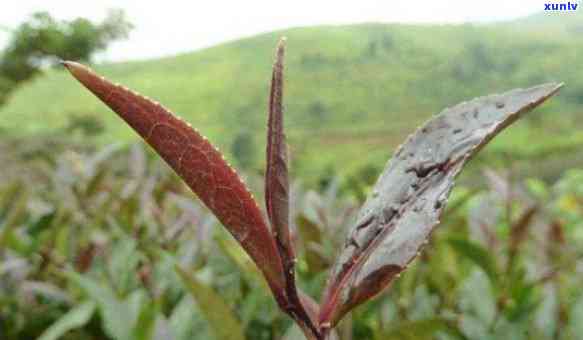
pixel 173 26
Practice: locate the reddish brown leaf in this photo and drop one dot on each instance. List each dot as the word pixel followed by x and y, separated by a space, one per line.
pixel 199 164
pixel 277 196
pixel 276 174
pixel 409 197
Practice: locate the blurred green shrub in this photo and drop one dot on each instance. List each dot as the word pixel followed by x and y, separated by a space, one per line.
pixel 43 40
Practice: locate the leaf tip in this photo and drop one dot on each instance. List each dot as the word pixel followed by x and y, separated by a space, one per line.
pixel 282 42
pixel 554 87
pixel 548 90
pixel 81 72
pixel 280 50
pixel 72 66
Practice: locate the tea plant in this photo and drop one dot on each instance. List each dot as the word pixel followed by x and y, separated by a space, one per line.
pixel 392 226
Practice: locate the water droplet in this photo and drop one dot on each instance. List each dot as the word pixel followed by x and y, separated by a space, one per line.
pixel 499 105
pixel 456 131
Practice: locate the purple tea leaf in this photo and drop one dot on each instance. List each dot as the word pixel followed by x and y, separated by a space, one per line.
pixel 201 166
pixel 276 172
pixel 277 199
pixel 410 195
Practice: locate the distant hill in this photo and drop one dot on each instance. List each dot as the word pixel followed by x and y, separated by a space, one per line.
pixel 352 92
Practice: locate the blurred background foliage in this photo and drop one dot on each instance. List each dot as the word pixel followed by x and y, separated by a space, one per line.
pixel 100 240
pixel 42 41
pixel 353 93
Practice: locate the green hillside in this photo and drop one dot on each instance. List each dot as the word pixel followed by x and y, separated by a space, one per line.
pixel 570 23
pixel 352 92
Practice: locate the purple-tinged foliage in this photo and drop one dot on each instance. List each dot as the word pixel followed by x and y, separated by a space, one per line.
pixel 410 195
pixel 392 226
